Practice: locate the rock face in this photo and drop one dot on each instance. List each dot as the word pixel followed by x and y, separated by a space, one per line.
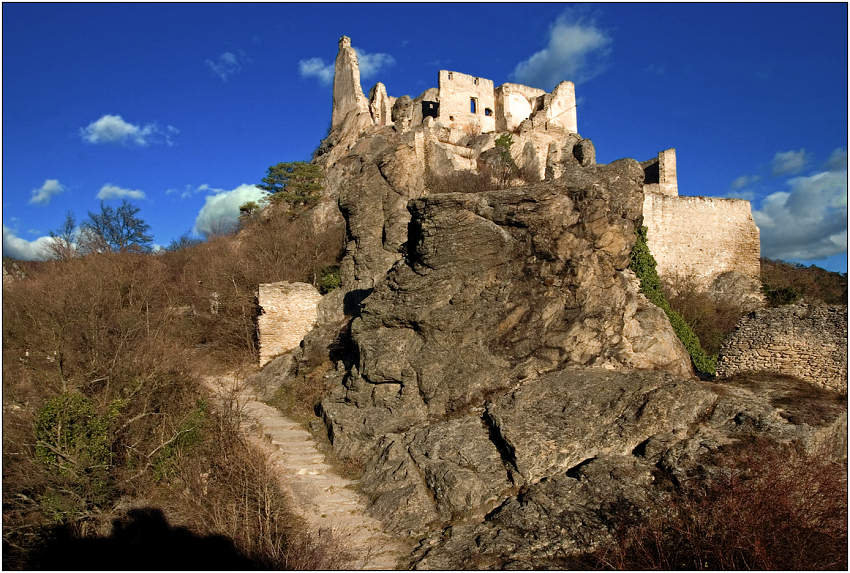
pixel 348 98
pixel 502 381
pixel 495 290
pixel 808 341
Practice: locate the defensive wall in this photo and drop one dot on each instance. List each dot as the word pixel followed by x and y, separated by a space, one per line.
pixel 804 340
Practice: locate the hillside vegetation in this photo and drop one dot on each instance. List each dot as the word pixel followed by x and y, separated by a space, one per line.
pixel 811 282
pixel 103 411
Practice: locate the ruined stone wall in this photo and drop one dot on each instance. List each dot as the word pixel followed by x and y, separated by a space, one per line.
pixel 701 237
pixel 514 104
pixel 288 313
pixel 803 340
pixel 456 89
pixel 661 174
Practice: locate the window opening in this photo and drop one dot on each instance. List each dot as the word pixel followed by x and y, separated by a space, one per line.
pixel 473 105
pixel 488 112
pixel 475 81
pixel 450 75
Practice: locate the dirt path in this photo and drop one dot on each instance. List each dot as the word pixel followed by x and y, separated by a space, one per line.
pixel 323 498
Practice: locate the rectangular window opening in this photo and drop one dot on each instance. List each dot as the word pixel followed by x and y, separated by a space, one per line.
pixel 473 105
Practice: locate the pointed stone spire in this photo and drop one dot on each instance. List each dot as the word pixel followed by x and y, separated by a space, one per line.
pixel 348 95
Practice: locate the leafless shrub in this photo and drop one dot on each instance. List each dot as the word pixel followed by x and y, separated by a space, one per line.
pixel 710 319
pixel 772 508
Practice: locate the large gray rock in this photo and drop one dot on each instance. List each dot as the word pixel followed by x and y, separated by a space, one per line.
pixel 564 418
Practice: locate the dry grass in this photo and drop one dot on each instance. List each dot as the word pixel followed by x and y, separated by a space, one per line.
pixel 711 321
pixel 812 282
pixel 125 335
pixel 773 508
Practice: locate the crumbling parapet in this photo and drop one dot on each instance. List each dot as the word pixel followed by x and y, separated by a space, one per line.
pixel 288 311
pixel 660 174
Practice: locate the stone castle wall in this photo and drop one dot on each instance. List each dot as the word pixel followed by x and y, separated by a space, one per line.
pixel 456 91
pixel 701 237
pixel 288 313
pixel 802 340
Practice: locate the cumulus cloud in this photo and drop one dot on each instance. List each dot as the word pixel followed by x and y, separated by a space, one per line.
pixel 807 221
pixel 576 51
pixel 188 190
pixel 220 213
pixel 18 248
pixel 370 65
pixel 316 68
pixel 43 194
pixel 227 64
pixel 113 129
pixel 743 181
pixel 837 160
pixel 110 191
pixel 789 162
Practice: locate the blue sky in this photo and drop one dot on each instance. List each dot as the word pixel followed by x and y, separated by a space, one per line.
pixel 181 108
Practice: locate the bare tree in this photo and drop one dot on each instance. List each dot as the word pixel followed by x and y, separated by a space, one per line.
pixel 63 247
pixel 115 230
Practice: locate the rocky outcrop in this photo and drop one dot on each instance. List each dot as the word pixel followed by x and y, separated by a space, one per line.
pixel 805 340
pixel 497 289
pixel 571 511
pixel 348 98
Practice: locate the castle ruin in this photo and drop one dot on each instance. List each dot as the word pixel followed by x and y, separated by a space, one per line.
pixel 452 128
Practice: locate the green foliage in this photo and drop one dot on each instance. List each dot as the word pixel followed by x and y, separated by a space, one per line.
pixel 507 166
pixel 248 208
pixel 329 279
pixel 72 436
pixel 189 434
pixel 779 295
pixel 643 264
pixel 295 182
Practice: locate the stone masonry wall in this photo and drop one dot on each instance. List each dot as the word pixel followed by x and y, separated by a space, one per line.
pixel 803 340
pixel 456 89
pixel 289 312
pixel 701 236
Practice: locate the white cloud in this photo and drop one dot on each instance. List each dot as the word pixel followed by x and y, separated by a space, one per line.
pixel 740 194
pixel 43 194
pixel 18 248
pixel 837 160
pixel 227 64
pixel 743 181
pixel 316 68
pixel 220 212
pixel 113 129
pixel 789 162
pixel 576 52
pixel 188 190
pixel 809 221
pixel 110 191
pixel 370 65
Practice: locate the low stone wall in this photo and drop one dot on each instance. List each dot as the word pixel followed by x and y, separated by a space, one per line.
pixel 288 311
pixel 804 340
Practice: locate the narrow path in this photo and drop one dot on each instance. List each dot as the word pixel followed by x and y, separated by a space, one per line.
pixel 322 497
